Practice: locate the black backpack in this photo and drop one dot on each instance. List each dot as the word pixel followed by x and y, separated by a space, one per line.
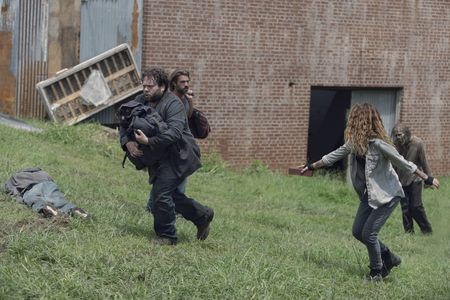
pixel 134 115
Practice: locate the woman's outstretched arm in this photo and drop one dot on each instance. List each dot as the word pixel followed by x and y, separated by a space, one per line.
pixel 429 180
pixel 316 165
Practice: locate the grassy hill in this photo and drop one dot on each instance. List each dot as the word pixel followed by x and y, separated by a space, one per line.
pixel 273 236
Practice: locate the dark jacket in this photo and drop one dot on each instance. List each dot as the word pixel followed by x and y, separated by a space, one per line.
pixel 413 151
pixel 23 180
pixel 183 153
pixel 135 115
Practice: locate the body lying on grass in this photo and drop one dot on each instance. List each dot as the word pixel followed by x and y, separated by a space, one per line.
pixel 36 189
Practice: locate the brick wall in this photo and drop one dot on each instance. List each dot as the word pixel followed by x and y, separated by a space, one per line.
pixel 253 64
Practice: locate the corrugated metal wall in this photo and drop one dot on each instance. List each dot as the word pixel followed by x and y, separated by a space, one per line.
pixel 106 24
pixel 385 101
pixel 32 33
pixel 8 44
pixel 23 56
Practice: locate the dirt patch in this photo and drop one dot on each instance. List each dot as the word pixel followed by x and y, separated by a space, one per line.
pixel 56 224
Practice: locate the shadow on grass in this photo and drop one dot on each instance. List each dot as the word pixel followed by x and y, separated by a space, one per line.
pixel 136 230
pixel 334 263
pixel 184 237
pixel 57 224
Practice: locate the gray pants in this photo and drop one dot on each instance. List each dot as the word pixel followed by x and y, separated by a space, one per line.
pixel 367 225
pixel 47 193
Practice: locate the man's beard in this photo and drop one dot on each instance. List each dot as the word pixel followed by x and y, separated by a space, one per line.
pixel 156 96
pixel 182 91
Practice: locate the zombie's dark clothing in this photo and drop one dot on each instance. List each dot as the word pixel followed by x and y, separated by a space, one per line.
pixel 413 151
pixel 412 205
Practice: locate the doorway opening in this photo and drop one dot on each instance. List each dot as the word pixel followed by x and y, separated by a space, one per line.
pixel 329 107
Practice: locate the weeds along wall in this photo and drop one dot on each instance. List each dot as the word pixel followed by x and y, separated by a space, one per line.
pixel 253 64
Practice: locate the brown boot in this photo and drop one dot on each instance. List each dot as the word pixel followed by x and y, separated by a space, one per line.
pixel 81 213
pixel 49 211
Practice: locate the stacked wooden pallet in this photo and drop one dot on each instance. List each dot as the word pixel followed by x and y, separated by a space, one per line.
pixel 62 94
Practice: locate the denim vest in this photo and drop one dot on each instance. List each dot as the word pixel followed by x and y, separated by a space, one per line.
pixel 381 180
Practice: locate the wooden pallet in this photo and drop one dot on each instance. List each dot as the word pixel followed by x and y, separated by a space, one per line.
pixel 61 93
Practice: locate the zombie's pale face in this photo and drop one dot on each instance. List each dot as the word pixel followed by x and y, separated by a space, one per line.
pixel 400 137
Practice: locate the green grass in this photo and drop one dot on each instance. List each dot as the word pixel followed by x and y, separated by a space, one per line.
pixel 273 236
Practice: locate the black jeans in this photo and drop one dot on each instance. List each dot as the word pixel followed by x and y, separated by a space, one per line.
pixel 166 200
pixel 412 209
pixel 367 225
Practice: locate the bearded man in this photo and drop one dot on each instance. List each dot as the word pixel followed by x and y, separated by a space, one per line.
pixel 181 159
pixel 412 149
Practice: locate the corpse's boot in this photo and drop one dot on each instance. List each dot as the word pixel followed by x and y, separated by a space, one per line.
pixel 49 211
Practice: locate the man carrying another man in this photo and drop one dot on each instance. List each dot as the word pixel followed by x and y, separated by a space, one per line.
pixel 181 159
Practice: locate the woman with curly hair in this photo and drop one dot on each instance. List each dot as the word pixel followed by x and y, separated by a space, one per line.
pixel 372 155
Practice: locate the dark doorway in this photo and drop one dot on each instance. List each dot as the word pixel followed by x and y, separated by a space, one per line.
pixel 327 119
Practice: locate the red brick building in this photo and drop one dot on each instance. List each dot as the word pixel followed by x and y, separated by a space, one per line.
pixel 273 75
pixel 276 78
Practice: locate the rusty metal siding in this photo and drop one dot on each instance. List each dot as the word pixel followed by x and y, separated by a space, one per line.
pixel 8 70
pixel 32 32
pixel 106 24
pixel 23 56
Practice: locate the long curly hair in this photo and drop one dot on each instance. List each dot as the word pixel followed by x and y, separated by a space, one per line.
pixel 364 123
